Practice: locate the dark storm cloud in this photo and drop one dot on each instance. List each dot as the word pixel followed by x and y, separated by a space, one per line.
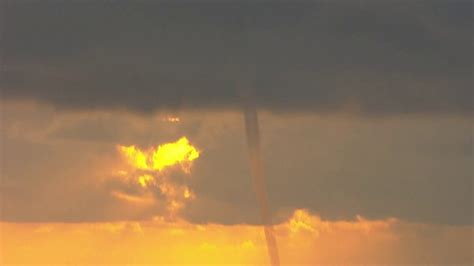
pixel 388 57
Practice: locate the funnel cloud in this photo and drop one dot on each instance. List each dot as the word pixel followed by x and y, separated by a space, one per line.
pixel 257 171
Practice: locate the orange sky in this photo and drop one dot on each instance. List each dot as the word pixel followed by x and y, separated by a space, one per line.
pixel 303 239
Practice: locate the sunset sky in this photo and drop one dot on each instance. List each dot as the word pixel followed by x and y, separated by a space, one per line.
pixel 123 132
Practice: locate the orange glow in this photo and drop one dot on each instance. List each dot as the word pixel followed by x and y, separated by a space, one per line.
pixel 188 194
pixel 132 199
pixel 301 220
pixel 164 242
pixel 172 119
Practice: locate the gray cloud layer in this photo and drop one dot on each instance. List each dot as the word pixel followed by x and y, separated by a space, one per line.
pixel 61 166
pixel 389 57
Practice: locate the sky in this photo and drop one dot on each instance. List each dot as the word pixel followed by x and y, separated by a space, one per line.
pixel 123 137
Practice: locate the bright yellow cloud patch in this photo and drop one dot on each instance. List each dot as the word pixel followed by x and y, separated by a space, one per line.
pixel 147 170
pixel 169 154
pixel 179 152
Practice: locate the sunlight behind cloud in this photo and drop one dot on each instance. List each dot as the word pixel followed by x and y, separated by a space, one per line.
pixel 163 242
pixel 148 171
pixel 180 152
